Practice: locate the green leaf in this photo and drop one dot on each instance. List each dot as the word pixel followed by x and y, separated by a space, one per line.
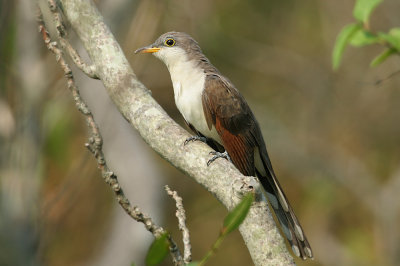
pixel 363 9
pixel 193 263
pixel 382 57
pixel 158 250
pixel 341 41
pixel 393 38
pixel 363 37
pixel 238 214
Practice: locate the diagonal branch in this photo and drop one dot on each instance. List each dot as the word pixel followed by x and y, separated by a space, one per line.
pixel 95 147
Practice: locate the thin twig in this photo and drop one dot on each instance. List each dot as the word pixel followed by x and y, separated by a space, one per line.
pixel 89 70
pixel 180 214
pixel 380 81
pixel 95 147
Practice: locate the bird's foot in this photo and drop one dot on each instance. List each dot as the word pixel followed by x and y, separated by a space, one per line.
pixel 217 155
pixel 195 138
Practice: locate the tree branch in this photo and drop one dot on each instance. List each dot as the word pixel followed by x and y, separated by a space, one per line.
pixel 134 101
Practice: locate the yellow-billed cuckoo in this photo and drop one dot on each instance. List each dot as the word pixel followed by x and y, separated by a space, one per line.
pixel 214 109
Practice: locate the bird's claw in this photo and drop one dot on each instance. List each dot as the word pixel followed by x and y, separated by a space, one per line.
pixel 194 138
pixel 217 155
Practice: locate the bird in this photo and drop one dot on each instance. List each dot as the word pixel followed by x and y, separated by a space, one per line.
pixel 219 115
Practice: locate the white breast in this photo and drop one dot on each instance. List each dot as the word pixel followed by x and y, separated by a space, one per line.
pixel 188 82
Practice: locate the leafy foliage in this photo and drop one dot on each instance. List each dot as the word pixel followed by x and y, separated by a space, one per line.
pixel 382 57
pixel 238 214
pixel 362 38
pixel 358 34
pixel 344 37
pixel 392 38
pixel 363 9
pixel 158 250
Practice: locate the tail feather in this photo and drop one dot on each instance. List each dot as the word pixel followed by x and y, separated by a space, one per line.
pixel 287 218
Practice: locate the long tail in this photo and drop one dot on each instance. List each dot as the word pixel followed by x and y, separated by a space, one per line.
pixel 287 218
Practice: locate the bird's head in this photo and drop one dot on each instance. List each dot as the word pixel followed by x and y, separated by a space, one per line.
pixel 173 47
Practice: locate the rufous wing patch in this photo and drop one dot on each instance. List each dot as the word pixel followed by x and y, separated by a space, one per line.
pixel 238 149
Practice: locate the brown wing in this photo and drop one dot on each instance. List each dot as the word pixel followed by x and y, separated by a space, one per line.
pixel 227 111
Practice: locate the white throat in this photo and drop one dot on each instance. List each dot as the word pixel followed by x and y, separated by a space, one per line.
pixel 188 81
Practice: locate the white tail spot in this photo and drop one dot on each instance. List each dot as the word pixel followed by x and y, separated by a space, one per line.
pixel 299 232
pixel 296 250
pixel 308 252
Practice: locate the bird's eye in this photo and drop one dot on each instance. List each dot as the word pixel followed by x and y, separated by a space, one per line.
pixel 170 42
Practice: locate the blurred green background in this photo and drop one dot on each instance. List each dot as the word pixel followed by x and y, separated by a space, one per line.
pixel 333 137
